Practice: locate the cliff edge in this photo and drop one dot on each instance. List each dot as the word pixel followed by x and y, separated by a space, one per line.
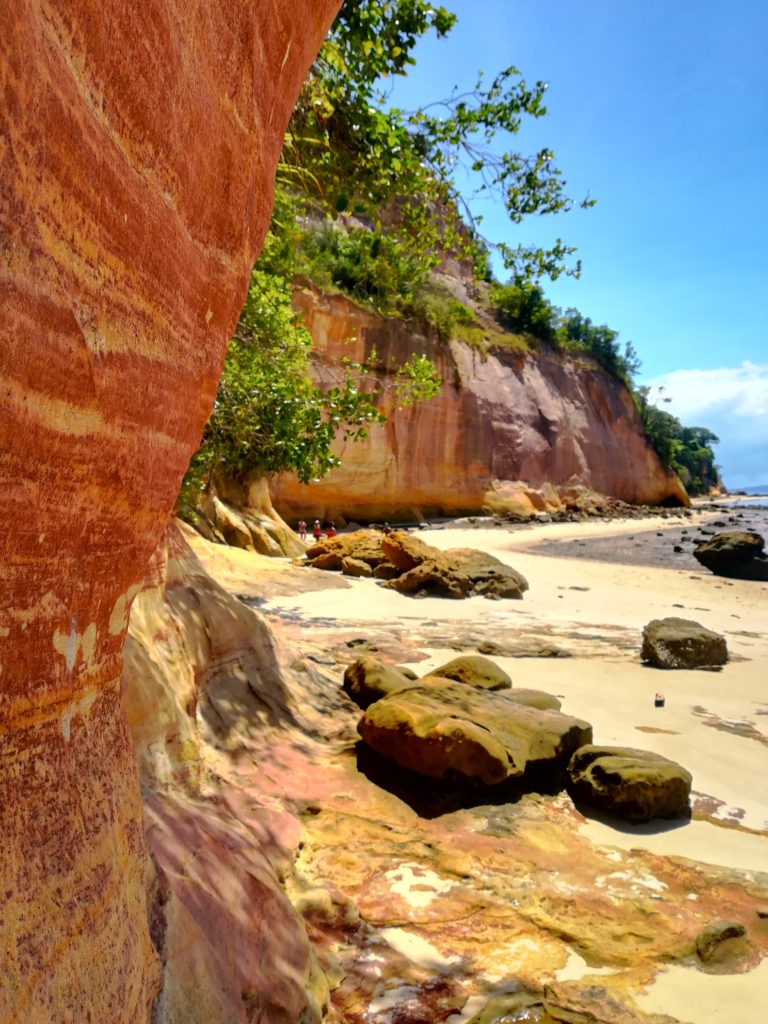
pixel 510 432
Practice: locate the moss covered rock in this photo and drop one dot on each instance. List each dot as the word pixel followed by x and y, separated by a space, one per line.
pixel 682 643
pixel 457 730
pixel 637 785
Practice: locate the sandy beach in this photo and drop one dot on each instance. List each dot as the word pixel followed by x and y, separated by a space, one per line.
pixel 593 608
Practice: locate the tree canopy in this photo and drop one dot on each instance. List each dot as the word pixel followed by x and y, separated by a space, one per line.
pixel 361 155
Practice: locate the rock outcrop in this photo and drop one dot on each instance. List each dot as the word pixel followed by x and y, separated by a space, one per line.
pixel 410 566
pixel 137 153
pixel 682 643
pixel 509 432
pixel 739 554
pixel 457 730
pixel 634 784
pixel 206 680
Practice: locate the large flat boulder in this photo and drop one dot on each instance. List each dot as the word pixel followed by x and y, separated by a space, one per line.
pixel 682 643
pixel 634 784
pixel 739 554
pixel 458 730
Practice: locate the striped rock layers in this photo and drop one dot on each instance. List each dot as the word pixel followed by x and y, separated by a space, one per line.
pixel 137 150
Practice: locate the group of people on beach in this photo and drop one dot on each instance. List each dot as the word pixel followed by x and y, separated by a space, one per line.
pixel 318 532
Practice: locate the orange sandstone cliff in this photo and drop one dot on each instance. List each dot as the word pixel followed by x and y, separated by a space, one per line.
pixel 137 149
pixel 509 432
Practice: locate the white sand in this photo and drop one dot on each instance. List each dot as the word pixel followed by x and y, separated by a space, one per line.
pixel 704 724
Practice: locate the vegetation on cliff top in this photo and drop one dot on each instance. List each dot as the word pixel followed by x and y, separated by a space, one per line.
pixel 366 204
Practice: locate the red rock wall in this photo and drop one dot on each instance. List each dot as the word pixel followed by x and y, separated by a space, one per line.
pixel 137 148
pixel 555 423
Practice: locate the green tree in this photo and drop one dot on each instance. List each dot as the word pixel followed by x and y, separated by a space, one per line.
pixel 358 154
pixel 686 450
pixel 522 307
pixel 268 416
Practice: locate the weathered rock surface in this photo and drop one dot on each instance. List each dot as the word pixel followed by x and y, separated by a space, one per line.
pixel 205 679
pixel 231 945
pixel 137 152
pixel 474 670
pixel 458 730
pixel 356 567
pixel 682 643
pixel 408 564
pixel 367 680
pixel 363 545
pixel 633 784
pixel 509 433
pixel 739 554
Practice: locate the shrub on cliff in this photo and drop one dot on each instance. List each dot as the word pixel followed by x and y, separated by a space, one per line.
pixel 268 416
pixel 686 450
pixel 357 154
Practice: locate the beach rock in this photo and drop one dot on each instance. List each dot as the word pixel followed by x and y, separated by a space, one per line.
pixel 533 698
pixel 633 784
pixel 406 551
pixel 386 571
pixel 526 1005
pixel 367 680
pixel 410 566
pixel 682 643
pixel 355 567
pixel 739 555
pixel 474 670
pixel 461 572
pixel 363 545
pixel 523 650
pixel 456 730
pixel 407 672
pixel 715 943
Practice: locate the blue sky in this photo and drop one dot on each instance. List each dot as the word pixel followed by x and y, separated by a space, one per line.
pixel 660 111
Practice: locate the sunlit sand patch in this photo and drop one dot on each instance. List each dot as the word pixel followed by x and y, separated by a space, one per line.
pixel 697 998
pixel 695 840
pixel 417 949
pixel 417 885
pixel 577 968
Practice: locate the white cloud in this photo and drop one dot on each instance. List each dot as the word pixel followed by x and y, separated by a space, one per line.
pixel 731 401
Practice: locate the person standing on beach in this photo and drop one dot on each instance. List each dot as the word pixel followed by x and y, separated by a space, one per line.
pixel 317 532
pixel 331 529
pixel 302 530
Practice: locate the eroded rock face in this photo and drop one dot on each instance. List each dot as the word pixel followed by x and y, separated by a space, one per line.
pixel 206 683
pixel 137 150
pixel 508 433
